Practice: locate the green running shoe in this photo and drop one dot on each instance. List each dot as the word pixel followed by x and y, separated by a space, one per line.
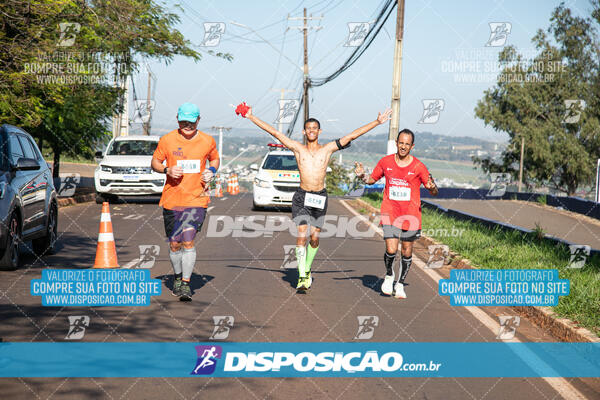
pixel 177 287
pixel 308 281
pixel 301 283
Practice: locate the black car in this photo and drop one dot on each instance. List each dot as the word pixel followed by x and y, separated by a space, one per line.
pixel 28 200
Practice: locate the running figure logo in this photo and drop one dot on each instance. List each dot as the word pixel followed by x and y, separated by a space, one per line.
pixel 499 32
pixel 287 110
pixel 437 255
pixel 432 109
pixel 68 184
pixel 187 219
pixel 508 327
pixel 366 326
pixel 212 33
pixel 148 255
pixel 207 359
pixel 357 33
pixel 68 33
pixel 142 111
pixel 77 325
pixel 579 255
pixel 573 109
pixel 289 259
pixel 499 184
pixel 223 323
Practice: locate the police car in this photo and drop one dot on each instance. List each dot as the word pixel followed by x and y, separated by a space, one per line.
pixel 277 178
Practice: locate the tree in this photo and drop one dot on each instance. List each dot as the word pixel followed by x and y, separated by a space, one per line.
pixel 110 40
pixel 337 178
pixel 546 101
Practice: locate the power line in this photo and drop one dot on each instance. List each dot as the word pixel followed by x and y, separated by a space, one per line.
pixel 359 51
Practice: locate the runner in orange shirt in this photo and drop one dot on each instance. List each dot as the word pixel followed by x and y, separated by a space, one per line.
pixel 185 195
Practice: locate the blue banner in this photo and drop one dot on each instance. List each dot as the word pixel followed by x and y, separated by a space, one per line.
pixel 220 359
pixel 509 287
pixel 95 287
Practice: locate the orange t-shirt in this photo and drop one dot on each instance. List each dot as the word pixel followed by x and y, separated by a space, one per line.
pixel 187 191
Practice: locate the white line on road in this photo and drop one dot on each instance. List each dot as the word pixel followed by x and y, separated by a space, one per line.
pixel 131 263
pixel 561 385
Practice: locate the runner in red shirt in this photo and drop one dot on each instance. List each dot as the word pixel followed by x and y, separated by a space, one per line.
pixel 401 206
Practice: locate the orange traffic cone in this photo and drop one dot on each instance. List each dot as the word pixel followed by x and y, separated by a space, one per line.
pixel 230 185
pixel 218 190
pixel 106 252
pixel 236 185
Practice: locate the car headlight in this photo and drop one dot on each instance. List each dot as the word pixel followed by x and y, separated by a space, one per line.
pixel 106 168
pixel 3 187
pixel 261 183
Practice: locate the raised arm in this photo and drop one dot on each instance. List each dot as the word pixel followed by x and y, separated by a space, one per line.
pixel 344 141
pixel 286 141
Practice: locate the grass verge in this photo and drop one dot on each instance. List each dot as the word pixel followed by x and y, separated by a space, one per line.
pixel 498 249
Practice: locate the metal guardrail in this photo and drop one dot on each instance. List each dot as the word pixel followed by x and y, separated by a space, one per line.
pixel 574 204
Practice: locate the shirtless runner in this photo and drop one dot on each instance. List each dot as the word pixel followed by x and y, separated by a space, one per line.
pixel 309 204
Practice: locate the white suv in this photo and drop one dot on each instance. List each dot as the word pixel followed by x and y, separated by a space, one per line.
pixel 277 178
pixel 125 168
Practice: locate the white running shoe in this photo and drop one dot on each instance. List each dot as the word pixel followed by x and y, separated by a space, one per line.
pixel 387 285
pixel 399 291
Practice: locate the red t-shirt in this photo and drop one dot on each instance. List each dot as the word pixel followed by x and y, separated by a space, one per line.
pixel 401 205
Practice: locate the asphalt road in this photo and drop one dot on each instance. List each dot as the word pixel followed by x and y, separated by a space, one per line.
pixel 244 278
pixel 570 226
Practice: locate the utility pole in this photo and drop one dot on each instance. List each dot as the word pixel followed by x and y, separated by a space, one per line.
pixel 282 91
pixel 521 163
pixel 306 85
pixel 121 120
pixel 148 108
pixel 395 120
pixel 220 129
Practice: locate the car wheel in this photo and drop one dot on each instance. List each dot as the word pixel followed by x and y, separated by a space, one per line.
pixel 102 197
pixel 45 245
pixel 10 259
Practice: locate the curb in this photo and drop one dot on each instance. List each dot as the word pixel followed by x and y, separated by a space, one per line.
pixel 544 317
pixel 69 201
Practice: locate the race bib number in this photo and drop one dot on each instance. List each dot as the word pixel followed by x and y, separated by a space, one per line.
pixel 399 193
pixel 314 200
pixel 189 166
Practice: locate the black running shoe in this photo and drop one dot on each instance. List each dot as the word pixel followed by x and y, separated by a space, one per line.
pixel 185 292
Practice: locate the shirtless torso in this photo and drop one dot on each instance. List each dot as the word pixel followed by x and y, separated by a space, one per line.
pixel 312 164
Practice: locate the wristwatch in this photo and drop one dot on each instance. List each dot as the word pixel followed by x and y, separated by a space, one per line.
pixel 165 170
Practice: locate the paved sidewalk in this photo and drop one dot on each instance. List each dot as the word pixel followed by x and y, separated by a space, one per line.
pixel 566 225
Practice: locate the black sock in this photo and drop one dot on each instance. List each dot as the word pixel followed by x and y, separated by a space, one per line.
pixel 178 276
pixel 388 260
pixel 405 267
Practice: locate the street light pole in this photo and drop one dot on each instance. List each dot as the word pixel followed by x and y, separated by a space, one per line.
pixel 220 129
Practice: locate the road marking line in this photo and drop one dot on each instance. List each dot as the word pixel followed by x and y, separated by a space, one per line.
pixel 561 385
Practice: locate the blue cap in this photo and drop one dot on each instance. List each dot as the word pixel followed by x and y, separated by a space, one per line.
pixel 188 112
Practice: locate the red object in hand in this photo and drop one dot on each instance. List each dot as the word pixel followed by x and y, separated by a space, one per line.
pixel 242 109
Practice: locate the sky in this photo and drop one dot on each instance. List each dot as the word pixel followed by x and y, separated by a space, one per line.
pixel 445 59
